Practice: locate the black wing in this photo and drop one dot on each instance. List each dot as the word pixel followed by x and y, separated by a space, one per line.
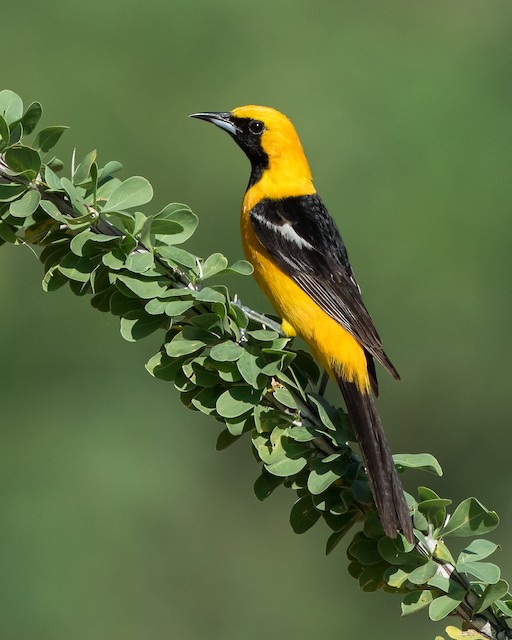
pixel 304 241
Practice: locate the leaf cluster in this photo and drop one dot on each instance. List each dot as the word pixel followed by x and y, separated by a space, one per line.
pixel 90 235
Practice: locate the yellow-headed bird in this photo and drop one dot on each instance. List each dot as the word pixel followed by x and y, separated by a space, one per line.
pixel 302 265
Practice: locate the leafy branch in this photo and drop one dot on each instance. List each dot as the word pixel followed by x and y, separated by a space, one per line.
pixel 233 364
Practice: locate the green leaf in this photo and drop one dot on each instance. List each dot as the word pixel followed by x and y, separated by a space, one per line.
pixel 136 325
pixel 237 426
pixel 355 569
pixel 140 219
pixel 210 295
pixel 424 461
pixel 140 262
pixel 444 605
pixel 79 241
pixel 266 484
pixel 88 243
pixel 80 288
pixel 345 522
pixel 55 164
pixel 419 520
pixel 178 256
pixel 76 268
pixel 16 133
pixel 52 179
pixel 53 254
pixel 424 493
pixel 31 117
pixel 228 351
pixel 282 456
pixel 5 132
pixel 156 306
pixel 23 160
pixel 105 190
pixel 11 191
pixel 227 371
pixel 442 553
pixel 101 300
pixel 225 440
pixel 365 551
pixel 144 287
pixel 303 515
pixel 77 201
pixel 470 518
pixel 94 184
pixel 111 167
pixel 434 510
pixel 263 335
pixel 7 234
pixel 249 366
pixel 289 466
pixel 83 170
pixel 240 267
pixel 120 304
pixel 196 372
pixel 11 106
pixel 236 401
pixel 26 205
pixel 505 606
pixel 423 573
pixel 131 193
pixel 163 367
pixel 372 578
pixel 477 550
pixel 397 552
pixel 372 527
pixel 218 266
pixel 47 138
pixel 415 601
pixel 361 490
pixel 212 265
pixel 114 259
pixel 327 414
pixel 173 225
pixel 180 346
pixel 324 474
pixel 178 307
pixel 283 395
pixel 206 399
pixel 53 280
pixel 396 577
pixel 491 593
pixel 442 583
pixel 484 571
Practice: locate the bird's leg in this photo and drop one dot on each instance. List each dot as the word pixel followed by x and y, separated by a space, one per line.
pixel 323 383
pixel 265 322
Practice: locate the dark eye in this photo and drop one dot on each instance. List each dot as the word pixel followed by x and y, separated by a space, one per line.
pixel 256 127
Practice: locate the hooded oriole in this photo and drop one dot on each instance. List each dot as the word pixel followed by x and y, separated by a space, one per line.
pixel 302 265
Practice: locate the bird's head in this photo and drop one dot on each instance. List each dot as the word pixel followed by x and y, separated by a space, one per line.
pixel 270 141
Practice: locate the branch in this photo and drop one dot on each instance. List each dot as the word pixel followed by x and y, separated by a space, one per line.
pixel 233 363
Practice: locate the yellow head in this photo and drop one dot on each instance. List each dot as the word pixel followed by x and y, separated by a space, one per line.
pixel 269 139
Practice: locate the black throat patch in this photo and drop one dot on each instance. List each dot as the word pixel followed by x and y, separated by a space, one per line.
pixel 252 147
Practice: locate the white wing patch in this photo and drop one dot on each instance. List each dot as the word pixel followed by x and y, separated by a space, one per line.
pixel 285 230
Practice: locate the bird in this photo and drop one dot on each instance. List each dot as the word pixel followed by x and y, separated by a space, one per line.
pixel 301 263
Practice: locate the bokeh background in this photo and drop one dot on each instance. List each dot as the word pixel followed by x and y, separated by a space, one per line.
pixel 118 518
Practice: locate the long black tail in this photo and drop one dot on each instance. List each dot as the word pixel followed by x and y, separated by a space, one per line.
pixel 382 474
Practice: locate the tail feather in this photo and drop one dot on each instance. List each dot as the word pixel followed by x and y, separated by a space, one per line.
pixel 382 474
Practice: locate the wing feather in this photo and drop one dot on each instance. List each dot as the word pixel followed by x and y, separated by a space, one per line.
pixel 304 241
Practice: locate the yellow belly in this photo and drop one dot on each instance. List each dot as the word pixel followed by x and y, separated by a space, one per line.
pixel 336 349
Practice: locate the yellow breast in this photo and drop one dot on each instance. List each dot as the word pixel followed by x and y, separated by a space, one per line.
pixel 336 349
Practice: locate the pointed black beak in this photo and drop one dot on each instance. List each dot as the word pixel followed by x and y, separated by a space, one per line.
pixel 221 119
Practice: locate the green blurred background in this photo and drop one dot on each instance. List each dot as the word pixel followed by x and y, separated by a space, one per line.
pixel 119 520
